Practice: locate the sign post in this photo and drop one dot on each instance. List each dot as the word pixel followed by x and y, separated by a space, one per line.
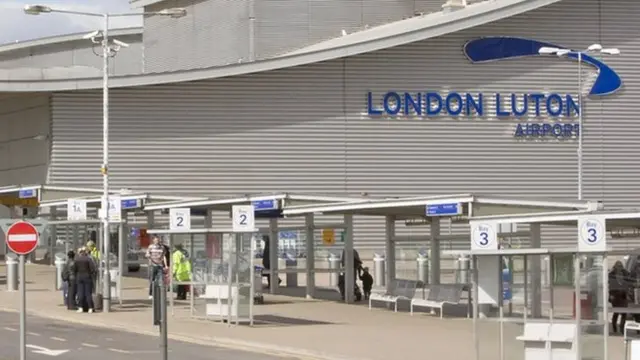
pixel 22 239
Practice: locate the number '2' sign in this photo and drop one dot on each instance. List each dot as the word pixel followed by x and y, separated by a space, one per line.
pixel 592 233
pixel 243 218
pixel 180 219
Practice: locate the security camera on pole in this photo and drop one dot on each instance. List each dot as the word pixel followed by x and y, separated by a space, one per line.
pixel 109 50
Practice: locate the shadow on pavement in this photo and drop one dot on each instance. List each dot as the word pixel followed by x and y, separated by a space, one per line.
pixel 282 321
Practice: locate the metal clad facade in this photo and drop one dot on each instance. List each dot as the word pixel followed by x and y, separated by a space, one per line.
pixel 217 32
pixel 306 129
pixel 213 33
pixel 77 54
pixel 24 139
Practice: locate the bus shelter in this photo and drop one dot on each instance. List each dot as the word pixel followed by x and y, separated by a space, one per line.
pixel 269 222
pixel 23 201
pixel 225 286
pixel 571 322
pixel 431 210
pixel 74 220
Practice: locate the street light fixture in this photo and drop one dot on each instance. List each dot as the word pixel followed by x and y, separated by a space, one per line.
pixel 108 50
pixel 594 48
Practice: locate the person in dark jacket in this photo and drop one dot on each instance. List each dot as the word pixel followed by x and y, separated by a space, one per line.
pixel 69 278
pixel 266 260
pixel 618 294
pixel 85 269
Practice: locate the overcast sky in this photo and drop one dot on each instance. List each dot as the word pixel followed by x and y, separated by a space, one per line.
pixel 16 25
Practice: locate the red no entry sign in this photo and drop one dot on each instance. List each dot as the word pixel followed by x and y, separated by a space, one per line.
pixel 22 238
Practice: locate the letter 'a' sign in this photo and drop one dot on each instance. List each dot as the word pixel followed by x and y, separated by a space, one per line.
pixel 484 235
pixel 592 233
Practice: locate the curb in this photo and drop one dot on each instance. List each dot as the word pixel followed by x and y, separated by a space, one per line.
pixel 222 342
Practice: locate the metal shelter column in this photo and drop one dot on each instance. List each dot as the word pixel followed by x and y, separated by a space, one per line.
pixel 122 249
pixel 273 255
pixel 53 234
pixel 536 269
pixel 434 275
pixel 390 249
pixel 311 257
pixel 349 271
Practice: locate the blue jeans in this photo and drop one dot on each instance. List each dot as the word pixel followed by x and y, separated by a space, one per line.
pixel 156 273
pixel 84 289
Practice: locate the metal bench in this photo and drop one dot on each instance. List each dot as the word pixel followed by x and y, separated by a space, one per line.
pixel 439 295
pixel 400 289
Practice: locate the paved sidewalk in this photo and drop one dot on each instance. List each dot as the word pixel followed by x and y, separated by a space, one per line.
pixel 293 326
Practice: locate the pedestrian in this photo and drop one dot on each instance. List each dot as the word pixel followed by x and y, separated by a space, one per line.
pixel 69 278
pixel 156 254
pixel 181 271
pixel 266 260
pixel 618 294
pixel 84 270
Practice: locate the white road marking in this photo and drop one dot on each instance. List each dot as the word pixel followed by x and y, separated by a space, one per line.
pixel 10 329
pixel 89 345
pixel 57 338
pixel 32 333
pixel 119 351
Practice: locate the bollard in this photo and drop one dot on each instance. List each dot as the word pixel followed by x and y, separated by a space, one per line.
pixel 12 272
pixel 463 263
pixel 291 263
pixel 59 262
pixel 423 268
pixel 379 275
pixel 334 266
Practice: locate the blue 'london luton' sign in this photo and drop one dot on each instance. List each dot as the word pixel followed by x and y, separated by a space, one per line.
pixel 550 106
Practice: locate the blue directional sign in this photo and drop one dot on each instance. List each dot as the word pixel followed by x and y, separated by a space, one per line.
pixel 265 205
pixel 450 209
pixel 506 284
pixel 131 204
pixel 27 193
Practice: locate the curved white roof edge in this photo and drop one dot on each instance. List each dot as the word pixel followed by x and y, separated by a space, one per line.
pixel 58 39
pixel 398 33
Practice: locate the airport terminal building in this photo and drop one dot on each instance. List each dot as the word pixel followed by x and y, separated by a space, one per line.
pixel 386 98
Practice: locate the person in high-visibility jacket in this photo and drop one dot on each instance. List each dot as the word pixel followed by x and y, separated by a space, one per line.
pixel 93 251
pixel 181 270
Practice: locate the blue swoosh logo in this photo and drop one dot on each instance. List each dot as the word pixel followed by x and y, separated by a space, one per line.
pixel 499 48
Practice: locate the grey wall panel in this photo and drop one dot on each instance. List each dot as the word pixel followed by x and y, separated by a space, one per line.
pixel 307 129
pixel 214 32
pixel 24 144
pixel 217 32
pixel 76 53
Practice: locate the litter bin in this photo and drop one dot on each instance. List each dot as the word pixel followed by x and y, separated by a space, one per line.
pixel 11 260
pixel 291 263
pixel 423 268
pixel 59 262
pixel 463 265
pixel 334 266
pixel 379 274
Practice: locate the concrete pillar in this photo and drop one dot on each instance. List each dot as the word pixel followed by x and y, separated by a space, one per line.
pixel 535 271
pixel 390 249
pixel 435 251
pixel 311 257
pixel 349 271
pixel 273 255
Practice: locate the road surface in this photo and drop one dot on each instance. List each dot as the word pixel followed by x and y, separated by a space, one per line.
pixel 56 340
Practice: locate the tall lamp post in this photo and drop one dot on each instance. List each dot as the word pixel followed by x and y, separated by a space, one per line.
pixel 595 48
pixel 108 50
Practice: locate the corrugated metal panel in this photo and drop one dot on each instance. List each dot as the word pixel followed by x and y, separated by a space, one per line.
pixel 275 21
pixel 303 129
pixel 214 32
pixel 24 159
pixel 428 6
